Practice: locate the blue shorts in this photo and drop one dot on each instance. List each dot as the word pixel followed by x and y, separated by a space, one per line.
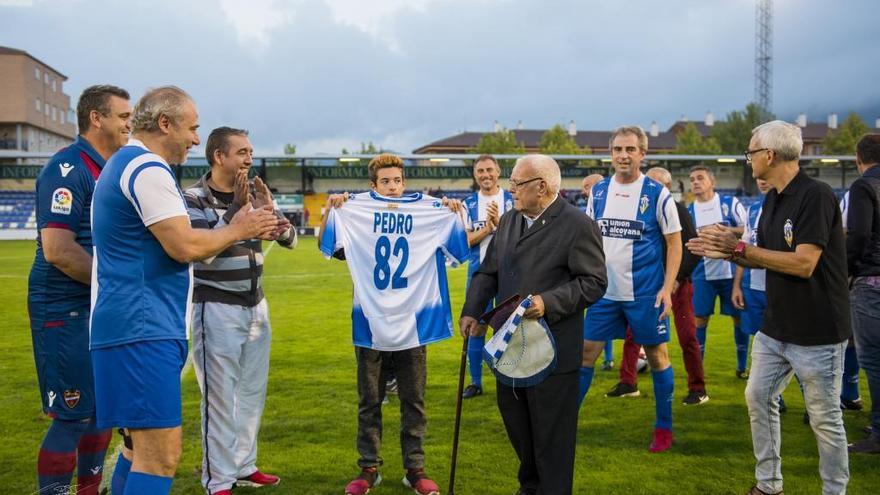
pixel 705 292
pixel 753 315
pixel 608 320
pixel 137 385
pixel 64 366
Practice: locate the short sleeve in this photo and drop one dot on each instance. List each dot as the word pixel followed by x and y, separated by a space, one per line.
pixel 330 242
pixel 154 194
pixel 62 193
pixel 667 213
pixel 740 215
pixel 816 218
pixel 454 240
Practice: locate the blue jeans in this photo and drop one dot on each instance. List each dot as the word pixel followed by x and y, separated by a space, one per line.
pixel 820 369
pixel 865 302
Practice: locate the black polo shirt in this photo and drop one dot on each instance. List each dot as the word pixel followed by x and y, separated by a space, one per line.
pixel 800 311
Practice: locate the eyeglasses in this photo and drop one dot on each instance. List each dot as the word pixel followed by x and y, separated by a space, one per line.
pixel 514 185
pixel 748 153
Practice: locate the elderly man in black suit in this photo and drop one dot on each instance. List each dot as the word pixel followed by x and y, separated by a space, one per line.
pixel 549 249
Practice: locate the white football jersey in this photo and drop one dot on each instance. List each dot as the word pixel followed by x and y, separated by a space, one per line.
pixel 726 210
pixel 634 219
pixel 396 250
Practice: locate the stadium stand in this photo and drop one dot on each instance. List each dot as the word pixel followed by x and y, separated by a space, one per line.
pixel 17 210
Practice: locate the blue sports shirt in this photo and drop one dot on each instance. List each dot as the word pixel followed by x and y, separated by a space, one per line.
pixel 139 293
pixel 64 198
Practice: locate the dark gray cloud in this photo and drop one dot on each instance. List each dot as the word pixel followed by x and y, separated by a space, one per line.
pixel 331 74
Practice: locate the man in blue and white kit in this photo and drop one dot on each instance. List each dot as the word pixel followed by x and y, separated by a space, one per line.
pixel 58 293
pixel 142 285
pixel 714 278
pixel 636 215
pixel 747 293
pixel 395 246
pixel 484 208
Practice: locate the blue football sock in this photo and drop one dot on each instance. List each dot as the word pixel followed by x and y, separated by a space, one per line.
pixel 742 348
pixel 57 458
pixel 701 338
pixel 663 389
pixel 609 350
pixel 475 359
pixel 117 483
pixel 147 484
pixel 850 388
pixel 585 380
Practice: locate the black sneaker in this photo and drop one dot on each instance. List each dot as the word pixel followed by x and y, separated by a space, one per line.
pixel 391 387
pixel 742 374
pixel 472 391
pixel 695 398
pixel 608 366
pixel 852 405
pixel 870 445
pixel 623 390
pixel 757 491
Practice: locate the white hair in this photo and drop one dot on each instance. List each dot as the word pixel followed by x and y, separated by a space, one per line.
pixel 546 168
pixel 665 176
pixel 783 138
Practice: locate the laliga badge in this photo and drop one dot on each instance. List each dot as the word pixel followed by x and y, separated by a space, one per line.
pixel 788 232
pixel 71 398
pixel 62 199
pixel 643 203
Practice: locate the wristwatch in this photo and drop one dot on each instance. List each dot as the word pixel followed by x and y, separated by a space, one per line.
pixel 740 250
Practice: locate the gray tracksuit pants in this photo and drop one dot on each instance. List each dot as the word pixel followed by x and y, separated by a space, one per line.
pixel 231 360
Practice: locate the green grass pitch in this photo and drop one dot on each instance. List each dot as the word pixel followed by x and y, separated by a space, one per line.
pixel 308 429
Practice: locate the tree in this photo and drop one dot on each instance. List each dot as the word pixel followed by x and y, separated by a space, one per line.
pixel 691 142
pixel 557 141
pixel 290 149
pixel 502 142
pixel 369 149
pixel 733 134
pixel 843 140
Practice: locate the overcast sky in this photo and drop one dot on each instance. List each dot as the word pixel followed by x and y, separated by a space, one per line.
pixel 327 74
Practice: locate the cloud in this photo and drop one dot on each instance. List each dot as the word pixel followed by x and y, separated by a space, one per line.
pixel 335 73
pixel 254 20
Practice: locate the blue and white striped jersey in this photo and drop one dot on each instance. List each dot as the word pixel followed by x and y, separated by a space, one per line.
pixel 476 206
pixel 726 210
pixel 753 278
pixel 396 250
pixel 139 293
pixel 633 218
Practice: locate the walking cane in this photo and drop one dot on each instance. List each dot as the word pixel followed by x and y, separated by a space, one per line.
pixel 464 346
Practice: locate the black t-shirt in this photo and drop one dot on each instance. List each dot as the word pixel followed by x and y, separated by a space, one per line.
pixel 800 311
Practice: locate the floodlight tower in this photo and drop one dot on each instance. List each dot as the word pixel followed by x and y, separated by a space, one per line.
pixel 764 54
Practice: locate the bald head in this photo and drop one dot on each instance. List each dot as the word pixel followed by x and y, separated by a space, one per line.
pixel 661 175
pixel 588 183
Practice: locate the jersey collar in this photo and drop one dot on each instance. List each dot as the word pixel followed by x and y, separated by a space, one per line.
pixel 406 198
pixel 86 147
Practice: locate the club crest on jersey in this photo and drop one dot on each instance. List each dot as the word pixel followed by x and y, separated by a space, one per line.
pixel 62 199
pixel 71 398
pixel 788 232
pixel 65 168
pixel 643 203
pixel 391 206
pixel 725 210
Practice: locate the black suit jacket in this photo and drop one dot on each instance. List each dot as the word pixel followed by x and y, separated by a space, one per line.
pixel 559 258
